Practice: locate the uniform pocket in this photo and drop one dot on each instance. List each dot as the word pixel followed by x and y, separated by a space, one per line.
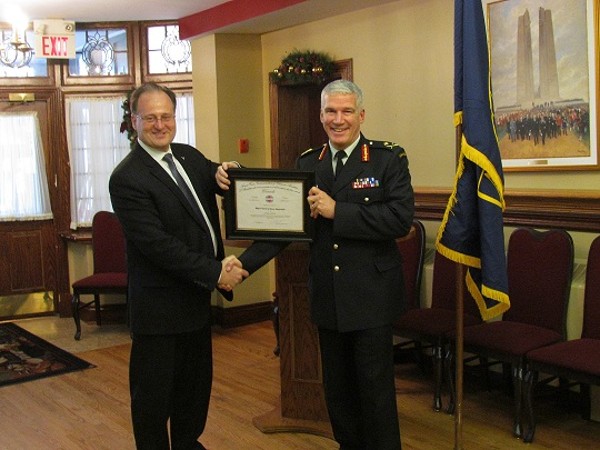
pixel 365 196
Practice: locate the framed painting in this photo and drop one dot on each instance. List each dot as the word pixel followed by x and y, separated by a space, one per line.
pixel 544 71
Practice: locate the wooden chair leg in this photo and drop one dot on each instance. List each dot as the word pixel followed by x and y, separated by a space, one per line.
pixel 75 301
pixel 517 371
pixel 97 307
pixel 585 401
pixel 530 381
pixel 449 362
pixel 438 350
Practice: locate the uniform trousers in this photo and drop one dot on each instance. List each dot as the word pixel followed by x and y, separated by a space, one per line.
pixel 360 392
pixel 170 379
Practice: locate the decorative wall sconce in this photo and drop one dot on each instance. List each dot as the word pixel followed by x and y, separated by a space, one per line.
pixel 15 51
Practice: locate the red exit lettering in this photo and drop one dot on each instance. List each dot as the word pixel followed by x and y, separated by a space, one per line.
pixel 54 46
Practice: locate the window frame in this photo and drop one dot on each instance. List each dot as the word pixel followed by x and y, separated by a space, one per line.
pixel 103 80
pixel 174 80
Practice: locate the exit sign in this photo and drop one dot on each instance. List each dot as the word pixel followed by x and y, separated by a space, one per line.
pixel 54 39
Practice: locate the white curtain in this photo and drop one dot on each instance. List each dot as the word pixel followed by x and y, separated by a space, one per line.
pixel 24 193
pixel 96 146
pixel 184 116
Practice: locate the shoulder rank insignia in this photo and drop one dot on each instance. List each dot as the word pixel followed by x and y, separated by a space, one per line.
pixel 384 145
pixel 390 145
pixel 312 150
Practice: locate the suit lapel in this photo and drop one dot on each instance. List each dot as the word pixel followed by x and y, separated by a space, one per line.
pixel 198 188
pixel 193 175
pixel 324 173
pixel 157 171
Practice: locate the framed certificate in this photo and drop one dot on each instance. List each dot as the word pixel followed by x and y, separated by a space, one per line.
pixel 268 204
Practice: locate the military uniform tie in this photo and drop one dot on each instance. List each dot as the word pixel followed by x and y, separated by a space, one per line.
pixel 339 164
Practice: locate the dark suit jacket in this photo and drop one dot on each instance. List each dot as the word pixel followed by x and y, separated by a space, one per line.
pixel 355 268
pixel 171 263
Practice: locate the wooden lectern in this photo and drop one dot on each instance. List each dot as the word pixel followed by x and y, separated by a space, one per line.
pixel 295 126
pixel 302 405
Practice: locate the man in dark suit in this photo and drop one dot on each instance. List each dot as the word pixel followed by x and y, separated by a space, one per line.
pixel 356 285
pixel 175 259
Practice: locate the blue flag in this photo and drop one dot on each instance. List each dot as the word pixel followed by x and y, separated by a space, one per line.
pixel 471 232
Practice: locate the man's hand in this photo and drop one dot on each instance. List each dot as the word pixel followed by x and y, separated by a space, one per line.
pixel 222 176
pixel 321 204
pixel 232 273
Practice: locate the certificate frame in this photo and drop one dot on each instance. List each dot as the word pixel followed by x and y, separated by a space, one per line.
pixel 268 205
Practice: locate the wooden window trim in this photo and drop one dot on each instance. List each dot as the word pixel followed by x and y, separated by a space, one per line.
pixel 175 80
pixel 102 81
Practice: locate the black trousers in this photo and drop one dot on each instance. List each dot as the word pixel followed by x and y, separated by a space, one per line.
pixel 358 378
pixel 170 379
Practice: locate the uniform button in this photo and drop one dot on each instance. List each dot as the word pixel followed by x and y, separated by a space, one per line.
pixel 335 246
pixel 367 199
pixel 336 268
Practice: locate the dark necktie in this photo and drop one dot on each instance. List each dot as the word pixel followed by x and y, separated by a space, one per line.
pixel 190 197
pixel 339 165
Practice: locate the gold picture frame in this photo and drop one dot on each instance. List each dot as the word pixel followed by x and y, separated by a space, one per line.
pixel 544 77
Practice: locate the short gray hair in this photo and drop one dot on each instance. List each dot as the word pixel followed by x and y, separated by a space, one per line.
pixel 343 87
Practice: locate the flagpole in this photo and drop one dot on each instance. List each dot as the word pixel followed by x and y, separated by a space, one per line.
pixel 459 333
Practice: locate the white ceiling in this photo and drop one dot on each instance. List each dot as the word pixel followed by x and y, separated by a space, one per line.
pixel 129 10
pixel 104 10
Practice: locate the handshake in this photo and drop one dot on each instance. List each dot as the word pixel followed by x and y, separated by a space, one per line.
pixel 232 273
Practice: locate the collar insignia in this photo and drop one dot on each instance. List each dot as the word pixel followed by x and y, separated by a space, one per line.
pixel 365 153
pixel 323 152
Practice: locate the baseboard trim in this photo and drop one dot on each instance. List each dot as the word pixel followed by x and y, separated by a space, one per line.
pixel 242 315
pixel 224 317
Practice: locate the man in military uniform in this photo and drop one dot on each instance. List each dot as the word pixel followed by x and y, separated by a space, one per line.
pixel 362 202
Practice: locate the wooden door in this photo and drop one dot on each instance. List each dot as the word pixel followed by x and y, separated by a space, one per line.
pixel 29 249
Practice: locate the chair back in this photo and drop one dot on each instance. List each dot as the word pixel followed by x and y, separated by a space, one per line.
pixel 108 243
pixel 443 289
pixel 591 308
pixel 540 269
pixel 412 249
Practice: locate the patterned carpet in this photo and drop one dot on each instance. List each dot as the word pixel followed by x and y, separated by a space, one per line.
pixel 26 357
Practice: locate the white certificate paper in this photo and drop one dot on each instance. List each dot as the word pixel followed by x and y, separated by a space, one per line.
pixel 270 205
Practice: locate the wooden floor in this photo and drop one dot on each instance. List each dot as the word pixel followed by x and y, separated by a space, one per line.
pixel 89 410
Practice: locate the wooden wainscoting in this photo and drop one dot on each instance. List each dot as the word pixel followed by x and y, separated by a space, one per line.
pixel 573 210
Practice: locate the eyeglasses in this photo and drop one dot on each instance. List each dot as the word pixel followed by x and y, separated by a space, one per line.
pixel 151 120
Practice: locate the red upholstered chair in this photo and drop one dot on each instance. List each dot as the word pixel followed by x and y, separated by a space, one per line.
pixel 430 325
pixel 540 268
pixel 577 360
pixel 110 267
pixel 412 249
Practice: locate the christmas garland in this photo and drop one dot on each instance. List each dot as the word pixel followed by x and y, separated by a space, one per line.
pixel 126 123
pixel 304 68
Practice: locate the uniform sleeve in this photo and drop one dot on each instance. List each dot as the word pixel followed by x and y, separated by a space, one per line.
pixel 260 253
